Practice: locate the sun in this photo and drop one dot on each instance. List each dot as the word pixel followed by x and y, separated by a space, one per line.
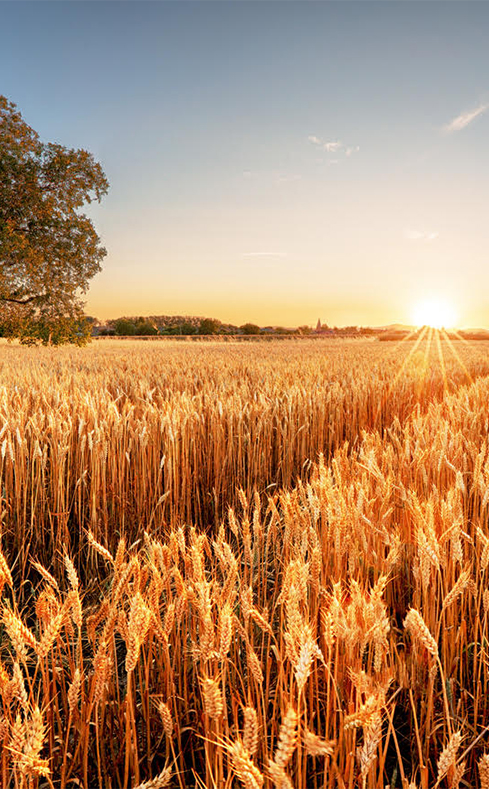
pixel 435 312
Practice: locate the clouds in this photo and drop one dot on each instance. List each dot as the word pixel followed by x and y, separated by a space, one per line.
pixel 465 118
pixel 336 147
pixel 420 235
pixel 333 147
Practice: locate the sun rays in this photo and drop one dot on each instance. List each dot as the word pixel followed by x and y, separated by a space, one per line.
pixel 429 346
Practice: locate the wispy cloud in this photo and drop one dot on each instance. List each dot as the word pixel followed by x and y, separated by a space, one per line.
pixel 333 146
pixel 264 255
pixel 420 235
pixel 465 118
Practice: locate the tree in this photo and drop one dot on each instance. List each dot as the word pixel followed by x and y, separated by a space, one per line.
pixel 145 328
pixel 209 326
pixel 185 328
pixel 49 250
pixel 124 327
pixel 250 328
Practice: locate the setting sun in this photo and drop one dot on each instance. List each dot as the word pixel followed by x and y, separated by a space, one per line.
pixel 435 312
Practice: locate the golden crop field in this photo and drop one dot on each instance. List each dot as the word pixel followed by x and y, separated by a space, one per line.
pixel 245 565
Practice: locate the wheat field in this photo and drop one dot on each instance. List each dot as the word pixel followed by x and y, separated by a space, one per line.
pixel 229 565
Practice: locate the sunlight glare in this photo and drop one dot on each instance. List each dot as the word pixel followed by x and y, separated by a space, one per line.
pixel 435 312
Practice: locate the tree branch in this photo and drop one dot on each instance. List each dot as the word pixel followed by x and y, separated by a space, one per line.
pixel 25 300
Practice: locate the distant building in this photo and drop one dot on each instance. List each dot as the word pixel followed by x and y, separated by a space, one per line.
pixel 322 328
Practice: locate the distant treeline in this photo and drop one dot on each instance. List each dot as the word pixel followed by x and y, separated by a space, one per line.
pixel 175 325
pixel 182 325
pixel 192 325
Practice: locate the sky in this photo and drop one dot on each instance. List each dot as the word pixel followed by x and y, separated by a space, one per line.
pixel 275 162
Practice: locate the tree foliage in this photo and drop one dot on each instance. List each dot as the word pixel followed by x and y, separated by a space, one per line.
pixel 49 250
pixel 129 327
pixel 209 326
pixel 250 328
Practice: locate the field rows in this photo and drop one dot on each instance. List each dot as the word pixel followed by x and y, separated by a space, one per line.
pixel 130 437
pixel 333 634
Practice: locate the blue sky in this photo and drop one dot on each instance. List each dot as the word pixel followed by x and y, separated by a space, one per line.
pixel 271 161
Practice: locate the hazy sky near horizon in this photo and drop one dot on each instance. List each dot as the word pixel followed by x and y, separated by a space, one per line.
pixel 271 161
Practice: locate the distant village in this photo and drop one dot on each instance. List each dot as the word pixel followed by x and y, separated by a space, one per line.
pixel 190 325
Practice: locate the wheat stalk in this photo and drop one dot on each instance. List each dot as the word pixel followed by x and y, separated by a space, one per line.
pixel 415 624
pixel 246 772
pixel 287 738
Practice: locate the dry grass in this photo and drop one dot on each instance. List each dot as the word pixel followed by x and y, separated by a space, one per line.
pixel 328 632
